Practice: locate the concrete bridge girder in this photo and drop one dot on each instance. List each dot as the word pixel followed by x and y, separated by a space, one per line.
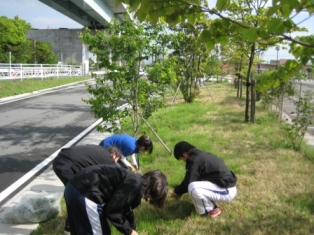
pixel 89 13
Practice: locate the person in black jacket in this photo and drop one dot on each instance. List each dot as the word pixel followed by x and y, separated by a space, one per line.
pixel 108 192
pixel 207 179
pixel 71 160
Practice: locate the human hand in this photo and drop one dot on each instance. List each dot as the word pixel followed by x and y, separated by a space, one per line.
pixel 134 232
pixel 132 169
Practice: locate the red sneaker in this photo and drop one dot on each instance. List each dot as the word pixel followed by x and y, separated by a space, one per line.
pixel 214 212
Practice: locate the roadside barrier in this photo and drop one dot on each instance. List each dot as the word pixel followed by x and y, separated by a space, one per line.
pixel 24 71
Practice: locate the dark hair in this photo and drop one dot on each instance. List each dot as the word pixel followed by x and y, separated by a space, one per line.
pixel 115 149
pixel 146 142
pixel 156 188
pixel 182 147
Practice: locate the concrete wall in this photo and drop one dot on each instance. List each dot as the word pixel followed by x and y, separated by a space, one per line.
pixel 65 43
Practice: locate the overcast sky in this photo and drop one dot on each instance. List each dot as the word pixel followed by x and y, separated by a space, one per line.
pixel 41 16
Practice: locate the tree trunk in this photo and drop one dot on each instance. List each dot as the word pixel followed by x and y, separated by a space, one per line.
pixel 253 100
pixel 247 101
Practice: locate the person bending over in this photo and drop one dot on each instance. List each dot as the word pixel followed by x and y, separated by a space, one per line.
pixel 71 160
pixel 129 147
pixel 103 193
pixel 208 180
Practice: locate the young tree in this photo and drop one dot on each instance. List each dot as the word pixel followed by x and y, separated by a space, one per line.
pixel 277 27
pixel 191 55
pixel 123 49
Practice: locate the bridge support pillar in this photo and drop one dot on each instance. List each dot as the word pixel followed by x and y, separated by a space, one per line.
pixel 65 43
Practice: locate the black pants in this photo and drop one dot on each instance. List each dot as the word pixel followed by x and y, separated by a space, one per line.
pixel 83 218
pixel 62 168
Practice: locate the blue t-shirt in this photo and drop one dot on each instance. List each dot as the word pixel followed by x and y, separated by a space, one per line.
pixel 126 143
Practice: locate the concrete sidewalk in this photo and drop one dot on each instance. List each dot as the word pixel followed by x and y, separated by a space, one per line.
pixel 47 181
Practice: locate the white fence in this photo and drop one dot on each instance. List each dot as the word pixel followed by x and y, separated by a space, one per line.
pixel 24 71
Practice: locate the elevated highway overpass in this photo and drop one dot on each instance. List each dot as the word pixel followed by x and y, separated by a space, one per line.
pixel 94 14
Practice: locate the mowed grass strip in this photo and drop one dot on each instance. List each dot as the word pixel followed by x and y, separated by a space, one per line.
pixel 17 87
pixel 275 183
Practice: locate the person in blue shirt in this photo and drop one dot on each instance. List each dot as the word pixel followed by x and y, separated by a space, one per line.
pixel 129 146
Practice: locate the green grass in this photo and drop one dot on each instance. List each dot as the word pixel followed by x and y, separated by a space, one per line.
pixel 275 183
pixel 17 87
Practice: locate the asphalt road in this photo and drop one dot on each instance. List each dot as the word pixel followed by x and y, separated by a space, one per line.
pixel 33 128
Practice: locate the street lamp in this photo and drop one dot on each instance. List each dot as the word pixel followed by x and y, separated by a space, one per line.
pixel 35 59
pixel 277 49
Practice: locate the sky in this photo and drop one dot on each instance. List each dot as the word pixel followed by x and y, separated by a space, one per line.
pixel 41 16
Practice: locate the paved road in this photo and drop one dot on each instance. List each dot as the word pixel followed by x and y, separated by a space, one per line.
pixel 31 129
pixel 289 107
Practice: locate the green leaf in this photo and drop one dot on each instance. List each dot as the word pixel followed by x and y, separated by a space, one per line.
pixel 210 45
pixel 286 10
pixel 153 18
pixel 274 2
pixel 221 4
pixel 192 19
pixel 173 19
pixel 140 15
pixel 272 10
pixel 170 10
pixel 233 28
pixel 263 33
pixel 310 9
pixel 289 23
pixel 225 23
pixel 134 4
pixel 281 29
pixel 224 40
pixel 250 35
pixel 236 2
pixel 205 35
pixel 145 6
pixel 274 24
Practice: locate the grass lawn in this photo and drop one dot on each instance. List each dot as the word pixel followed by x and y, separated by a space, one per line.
pixel 17 87
pixel 275 183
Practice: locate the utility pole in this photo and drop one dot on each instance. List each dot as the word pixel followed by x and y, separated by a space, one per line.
pixel 35 59
pixel 10 63
pixel 277 49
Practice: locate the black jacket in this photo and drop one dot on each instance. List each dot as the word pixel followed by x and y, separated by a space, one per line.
pixel 82 156
pixel 204 166
pixel 119 189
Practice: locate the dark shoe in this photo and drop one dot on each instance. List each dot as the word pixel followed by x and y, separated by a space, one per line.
pixel 67 229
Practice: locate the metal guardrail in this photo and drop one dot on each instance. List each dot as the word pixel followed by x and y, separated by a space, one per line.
pixel 24 71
